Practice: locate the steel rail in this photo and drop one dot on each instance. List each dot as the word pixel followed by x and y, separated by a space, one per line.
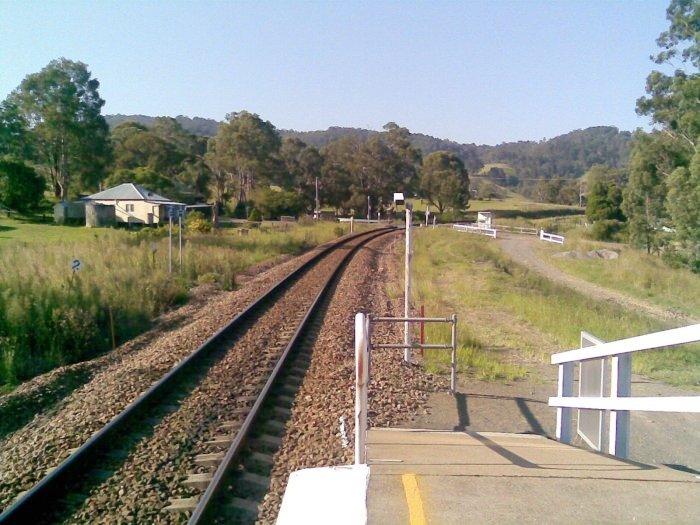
pixel 205 506
pixel 35 502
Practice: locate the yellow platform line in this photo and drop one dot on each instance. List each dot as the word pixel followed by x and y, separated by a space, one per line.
pixel 416 514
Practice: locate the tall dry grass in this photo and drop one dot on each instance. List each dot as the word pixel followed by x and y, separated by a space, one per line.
pixel 51 315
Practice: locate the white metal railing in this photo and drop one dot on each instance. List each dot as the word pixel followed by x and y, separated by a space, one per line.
pixel 363 346
pixel 472 228
pixel 363 221
pixel 517 229
pixel 551 237
pixel 620 401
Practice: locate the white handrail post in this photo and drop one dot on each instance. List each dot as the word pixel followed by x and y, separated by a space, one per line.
pixel 620 386
pixel 565 388
pixel 453 380
pixel 407 283
pixel 361 383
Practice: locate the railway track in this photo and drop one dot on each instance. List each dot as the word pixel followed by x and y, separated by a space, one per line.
pixel 189 430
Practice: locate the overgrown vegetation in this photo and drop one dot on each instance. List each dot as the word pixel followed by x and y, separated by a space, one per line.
pixel 51 315
pixel 498 302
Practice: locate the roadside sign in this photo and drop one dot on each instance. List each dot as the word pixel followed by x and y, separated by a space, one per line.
pixel 171 212
pixel 75 265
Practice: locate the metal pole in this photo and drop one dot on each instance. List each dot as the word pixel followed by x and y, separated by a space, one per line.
pixel 170 243
pixel 453 379
pixel 369 210
pixel 318 207
pixel 179 220
pixel 407 283
pixel 361 383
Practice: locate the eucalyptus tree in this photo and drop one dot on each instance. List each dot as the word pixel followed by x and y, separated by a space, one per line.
pixel 445 181
pixel 247 148
pixel 662 187
pixel 62 107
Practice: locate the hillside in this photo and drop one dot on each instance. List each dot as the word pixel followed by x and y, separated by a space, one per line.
pixel 567 156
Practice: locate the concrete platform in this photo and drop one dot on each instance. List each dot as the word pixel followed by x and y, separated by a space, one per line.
pixel 444 478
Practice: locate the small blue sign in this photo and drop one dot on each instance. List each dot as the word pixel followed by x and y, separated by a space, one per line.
pixel 171 212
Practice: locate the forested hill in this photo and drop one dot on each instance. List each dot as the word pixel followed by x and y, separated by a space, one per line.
pixel 566 156
pixel 205 127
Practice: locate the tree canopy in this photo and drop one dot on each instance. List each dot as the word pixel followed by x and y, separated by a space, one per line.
pixel 444 181
pixel 62 108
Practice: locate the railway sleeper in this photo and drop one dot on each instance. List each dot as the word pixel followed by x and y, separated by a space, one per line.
pixel 182 504
pixel 267 442
pixel 221 441
pixel 209 460
pixel 258 461
pixel 199 481
pixel 244 506
pixel 274 425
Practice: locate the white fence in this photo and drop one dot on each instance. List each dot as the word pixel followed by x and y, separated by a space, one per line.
pixel 620 401
pixel 489 232
pixel 551 237
pixel 516 229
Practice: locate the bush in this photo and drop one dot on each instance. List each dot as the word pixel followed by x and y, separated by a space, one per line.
pixel 197 222
pixel 255 215
pixel 608 230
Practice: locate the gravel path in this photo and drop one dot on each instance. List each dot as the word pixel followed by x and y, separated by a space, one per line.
pixel 519 247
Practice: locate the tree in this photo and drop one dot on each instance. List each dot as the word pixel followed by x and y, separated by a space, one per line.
pixel 654 157
pixel 662 190
pixel 604 194
pixel 673 101
pixel 302 165
pixel 21 187
pixel 683 202
pixel 445 182
pixel 61 105
pixel 246 147
pixel 14 132
pixel 142 176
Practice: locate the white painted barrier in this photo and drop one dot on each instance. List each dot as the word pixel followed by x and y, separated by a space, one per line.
pixel 471 228
pixel 318 496
pixel 620 401
pixel 551 237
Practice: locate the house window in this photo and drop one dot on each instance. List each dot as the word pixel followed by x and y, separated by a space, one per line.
pixel 129 207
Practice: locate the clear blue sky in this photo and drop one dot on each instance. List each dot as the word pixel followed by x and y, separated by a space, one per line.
pixel 479 71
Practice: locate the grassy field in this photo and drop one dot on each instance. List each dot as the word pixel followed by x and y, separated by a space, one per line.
pixel 37 231
pixel 50 316
pixel 510 316
pixel 634 273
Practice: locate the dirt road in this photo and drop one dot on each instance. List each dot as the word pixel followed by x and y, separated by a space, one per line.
pixel 520 248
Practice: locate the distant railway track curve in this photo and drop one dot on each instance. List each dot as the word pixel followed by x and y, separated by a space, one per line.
pixel 214 414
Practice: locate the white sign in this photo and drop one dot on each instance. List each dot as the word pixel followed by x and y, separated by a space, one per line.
pixel 75 265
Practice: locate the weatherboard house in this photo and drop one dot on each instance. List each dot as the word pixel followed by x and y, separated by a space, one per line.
pixel 127 204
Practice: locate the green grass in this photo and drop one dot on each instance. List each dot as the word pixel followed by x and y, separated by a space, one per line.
pixel 50 317
pixel 634 273
pixel 36 231
pixel 504 304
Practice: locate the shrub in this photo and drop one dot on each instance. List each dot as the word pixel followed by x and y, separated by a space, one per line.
pixel 607 230
pixel 255 215
pixel 197 222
